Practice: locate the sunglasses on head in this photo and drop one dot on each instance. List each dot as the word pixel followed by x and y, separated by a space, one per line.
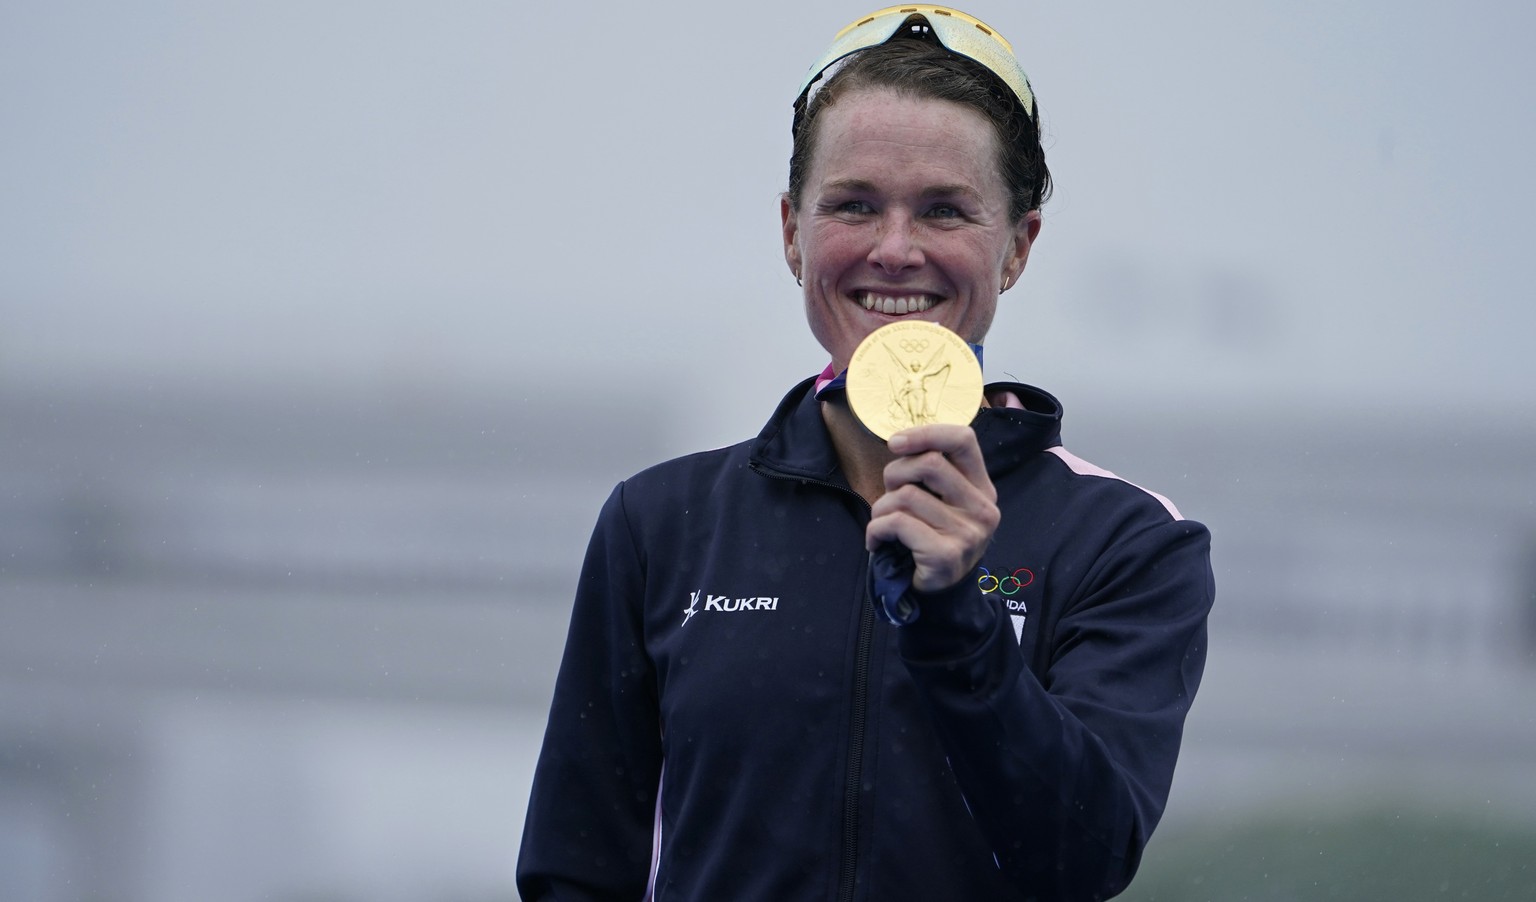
pixel 961 33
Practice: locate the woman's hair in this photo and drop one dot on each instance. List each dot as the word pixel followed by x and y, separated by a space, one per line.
pixel 917 65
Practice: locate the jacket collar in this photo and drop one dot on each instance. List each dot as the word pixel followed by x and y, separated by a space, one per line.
pixel 795 441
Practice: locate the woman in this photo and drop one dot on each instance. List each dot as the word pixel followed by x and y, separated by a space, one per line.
pixel 730 720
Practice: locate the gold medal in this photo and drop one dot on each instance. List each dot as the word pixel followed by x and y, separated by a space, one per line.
pixel 910 373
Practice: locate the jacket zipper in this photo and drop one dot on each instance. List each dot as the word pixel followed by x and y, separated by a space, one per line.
pixel 848 863
pixel 854 779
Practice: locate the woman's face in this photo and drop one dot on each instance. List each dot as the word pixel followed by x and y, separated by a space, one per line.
pixel 904 213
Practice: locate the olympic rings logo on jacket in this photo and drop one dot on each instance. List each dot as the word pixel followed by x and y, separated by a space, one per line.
pixel 1006 585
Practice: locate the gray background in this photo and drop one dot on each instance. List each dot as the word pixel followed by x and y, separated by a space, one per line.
pixel 324 329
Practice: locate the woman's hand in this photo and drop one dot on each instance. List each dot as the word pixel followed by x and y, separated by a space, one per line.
pixel 938 502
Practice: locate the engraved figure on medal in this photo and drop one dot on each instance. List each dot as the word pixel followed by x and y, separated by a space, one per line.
pixel 912 403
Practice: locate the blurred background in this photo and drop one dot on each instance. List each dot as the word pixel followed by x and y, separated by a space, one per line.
pixel 326 327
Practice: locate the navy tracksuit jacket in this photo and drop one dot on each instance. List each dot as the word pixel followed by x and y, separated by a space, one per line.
pixel 732 722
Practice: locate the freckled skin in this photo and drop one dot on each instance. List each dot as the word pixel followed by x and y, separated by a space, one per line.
pixel 903 197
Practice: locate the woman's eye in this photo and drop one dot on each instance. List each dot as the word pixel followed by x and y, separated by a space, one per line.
pixel 853 206
pixel 944 211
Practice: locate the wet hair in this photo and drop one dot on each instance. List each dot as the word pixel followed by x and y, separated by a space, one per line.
pixel 915 64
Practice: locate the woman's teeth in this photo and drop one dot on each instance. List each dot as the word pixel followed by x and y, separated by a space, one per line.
pixel 896 306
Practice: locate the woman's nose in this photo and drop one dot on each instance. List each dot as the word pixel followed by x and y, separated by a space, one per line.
pixel 896 246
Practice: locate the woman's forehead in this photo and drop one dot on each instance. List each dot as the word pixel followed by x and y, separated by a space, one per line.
pixel 881 135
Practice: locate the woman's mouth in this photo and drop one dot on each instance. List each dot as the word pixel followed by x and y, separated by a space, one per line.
pixel 895 305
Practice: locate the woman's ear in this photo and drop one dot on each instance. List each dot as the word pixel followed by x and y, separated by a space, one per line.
pixel 1024 234
pixel 791 227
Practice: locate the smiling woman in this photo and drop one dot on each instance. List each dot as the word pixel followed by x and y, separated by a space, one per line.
pixel 730 720
pixel 905 212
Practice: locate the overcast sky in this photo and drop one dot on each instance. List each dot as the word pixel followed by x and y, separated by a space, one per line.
pixel 1273 202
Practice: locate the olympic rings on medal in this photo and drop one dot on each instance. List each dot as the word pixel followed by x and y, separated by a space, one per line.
pixel 914 345
pixel 1008 585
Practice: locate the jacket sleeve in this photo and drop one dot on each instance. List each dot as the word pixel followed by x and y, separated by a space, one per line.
pixel 588 834
pixel 1068 773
